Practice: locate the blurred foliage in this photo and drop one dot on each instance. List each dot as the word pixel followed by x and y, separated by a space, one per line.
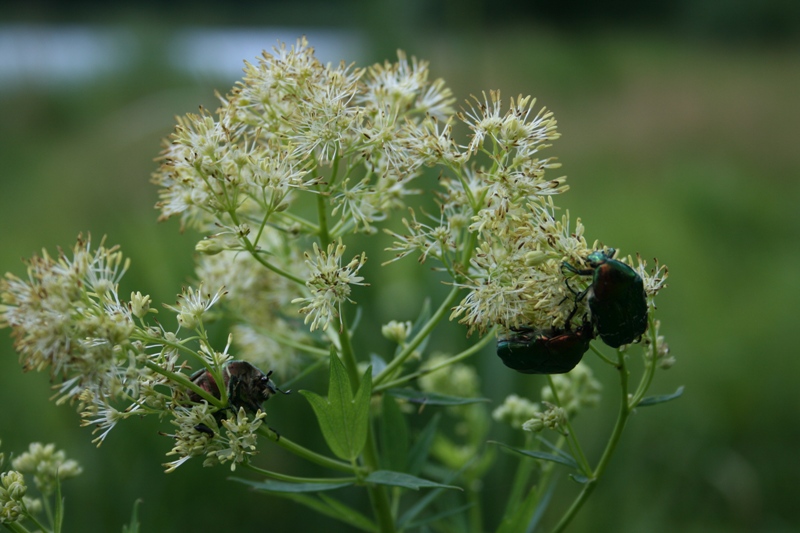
pixel 682 149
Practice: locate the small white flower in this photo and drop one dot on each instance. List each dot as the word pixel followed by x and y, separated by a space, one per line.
pixel 577 389
pixel 396 331
pixel 140 304
pixel 241 439
pixel 193 304
pixel 515 411
pixel 455 379
pixel 196 434
pixel 47 465
pixel 12 492
pixel 329 284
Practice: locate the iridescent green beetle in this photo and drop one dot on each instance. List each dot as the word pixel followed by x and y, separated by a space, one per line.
pixel 616 298
pixel 551 351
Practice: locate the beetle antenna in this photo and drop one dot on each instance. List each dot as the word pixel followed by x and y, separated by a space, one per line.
pixel 276 387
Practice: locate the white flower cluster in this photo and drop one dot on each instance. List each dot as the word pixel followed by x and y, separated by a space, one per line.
pixel 67 318
pixel 298 157
pixel 576 391
pixel 296 134
pixel 47 465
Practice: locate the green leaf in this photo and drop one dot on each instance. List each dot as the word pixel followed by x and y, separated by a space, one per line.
pixel 394 435
pixel 515 521
pixel 428 499
pixel 419 323
pixel 399 479
pixel 58 520
pixel 360 414
pixel 331 427
pixel 133 527
pixel 566 460
pixel 378 364
pixel 438 516
pixel 422 447
pixel 329 507
pixel 653 400
pixel 541 507
pixel 342 418
pixel 349 515
pixel 432 398
pixel 283 486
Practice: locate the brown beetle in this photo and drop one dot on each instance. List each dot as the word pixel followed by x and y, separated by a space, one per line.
pixel 246 385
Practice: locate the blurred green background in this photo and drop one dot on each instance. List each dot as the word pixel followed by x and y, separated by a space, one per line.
pixel 680 124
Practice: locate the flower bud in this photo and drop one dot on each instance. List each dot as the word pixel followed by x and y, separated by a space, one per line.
pixel 140 305
pixel 396 331
pixel 210 246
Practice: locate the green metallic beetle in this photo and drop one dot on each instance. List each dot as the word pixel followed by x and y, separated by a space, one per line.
pixel 616 298
pixel 550 351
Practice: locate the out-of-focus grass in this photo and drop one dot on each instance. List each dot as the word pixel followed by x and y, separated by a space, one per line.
pixel 680 150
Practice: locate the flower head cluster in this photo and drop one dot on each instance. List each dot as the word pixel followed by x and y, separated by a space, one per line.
pixel 47 465
pixel 289 114
pixel 454 380
pixel 67 318
pixel 553 417
pixel 240 437
pixel 329 284
pixel 515 411
pixel 12 493
pixel 190 440
pixel 299 156
pixel 575 392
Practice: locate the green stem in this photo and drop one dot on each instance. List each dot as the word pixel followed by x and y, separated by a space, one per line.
pixel 324 236
pixel 36 522
pixel 17 527
pixel 254 252
pixel 182 380
pixel 547 472
pixel 622 417
pixel 475 510
pixel 426 330
pixel 300 346
pixel 521 477
pixel 601 355
pixel 348 355
pixel 309 226
pixel 650 367
pixel 180 346
pixel 257 256
pixel 378 495
pixel 572 438
pixel 297 479
pixel 334 172
pixel 427 370
pixel 303 452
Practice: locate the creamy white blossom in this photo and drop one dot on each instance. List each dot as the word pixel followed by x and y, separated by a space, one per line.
pixel 329 284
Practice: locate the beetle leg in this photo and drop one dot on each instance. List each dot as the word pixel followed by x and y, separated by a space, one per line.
pixel 202 428
pixel 575 270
